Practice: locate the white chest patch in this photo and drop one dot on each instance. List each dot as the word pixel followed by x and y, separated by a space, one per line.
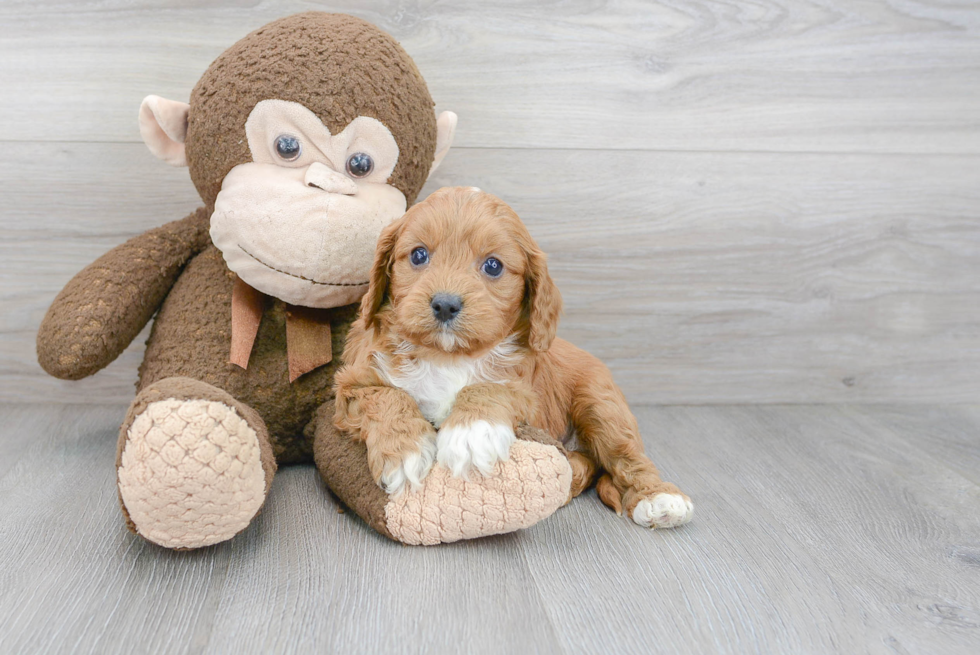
pixel 434 386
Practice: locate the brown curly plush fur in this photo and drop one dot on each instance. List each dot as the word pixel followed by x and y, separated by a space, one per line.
pixel 200 305
pixel 349 69
pixel 102 309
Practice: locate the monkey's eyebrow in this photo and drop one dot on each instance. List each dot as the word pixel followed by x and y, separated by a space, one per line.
pixel 326 284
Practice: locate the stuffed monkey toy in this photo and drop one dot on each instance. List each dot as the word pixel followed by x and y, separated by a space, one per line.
pixel 304 140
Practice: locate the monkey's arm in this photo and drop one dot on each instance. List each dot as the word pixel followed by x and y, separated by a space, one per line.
pixel 102 309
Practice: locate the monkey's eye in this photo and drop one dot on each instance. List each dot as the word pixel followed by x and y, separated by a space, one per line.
pixel 287 147
pixel 493 267
pixel 359 164
pixel 420 256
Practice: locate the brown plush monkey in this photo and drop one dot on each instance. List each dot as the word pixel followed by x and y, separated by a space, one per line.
pixel 304 140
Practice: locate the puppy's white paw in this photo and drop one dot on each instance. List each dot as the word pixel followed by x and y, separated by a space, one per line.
pixel 411 471
pixel 479 444
pixel 663 511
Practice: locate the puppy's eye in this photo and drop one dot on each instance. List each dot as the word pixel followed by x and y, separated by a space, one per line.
pixel 420 256
pixel 493 267
pixel 287 147
pixel 359 164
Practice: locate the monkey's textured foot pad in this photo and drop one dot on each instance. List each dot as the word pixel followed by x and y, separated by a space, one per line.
pixel 529 486
pixel 534 482
pixel 190 473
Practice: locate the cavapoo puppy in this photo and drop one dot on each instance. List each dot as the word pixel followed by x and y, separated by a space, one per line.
pixel 455 347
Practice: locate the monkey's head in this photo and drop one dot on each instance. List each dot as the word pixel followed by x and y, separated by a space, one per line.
pixel 304 139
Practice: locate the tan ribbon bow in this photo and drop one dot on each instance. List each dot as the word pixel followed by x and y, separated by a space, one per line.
pixel 308 344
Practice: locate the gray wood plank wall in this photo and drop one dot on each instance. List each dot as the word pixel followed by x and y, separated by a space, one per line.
pixel 773 201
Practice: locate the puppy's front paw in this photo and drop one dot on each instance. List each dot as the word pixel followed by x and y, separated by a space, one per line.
pixel 411 469
pixel 663 511
pixel 478 444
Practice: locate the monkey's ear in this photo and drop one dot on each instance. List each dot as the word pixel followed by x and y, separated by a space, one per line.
pixel 163 126
pixel 377 291
pixel 445 131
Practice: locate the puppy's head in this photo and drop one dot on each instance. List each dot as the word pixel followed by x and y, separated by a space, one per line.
pixel 459 273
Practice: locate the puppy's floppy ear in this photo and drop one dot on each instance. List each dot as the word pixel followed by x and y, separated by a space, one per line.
pixel 377 291
pixel 543 300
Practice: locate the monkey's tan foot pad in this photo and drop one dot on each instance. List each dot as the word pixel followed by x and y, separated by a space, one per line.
pixel 190 472
pixel 529 486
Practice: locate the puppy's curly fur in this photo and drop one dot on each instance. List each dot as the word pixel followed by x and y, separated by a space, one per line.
pixel 492 365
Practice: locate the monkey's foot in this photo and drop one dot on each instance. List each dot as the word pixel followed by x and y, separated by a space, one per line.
pixel 529 486
pixel 191 471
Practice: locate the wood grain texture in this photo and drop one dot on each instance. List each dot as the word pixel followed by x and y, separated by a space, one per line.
pixel 68 568
pixel 800 512
pixel 775 201
pixel 817 530
pixel 949 434
pixel 698 277
pixel 877 76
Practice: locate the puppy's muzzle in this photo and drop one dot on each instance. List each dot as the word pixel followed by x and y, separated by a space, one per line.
pixel 445 306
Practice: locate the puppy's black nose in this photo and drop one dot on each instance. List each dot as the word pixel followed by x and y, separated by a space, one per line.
pixel 445 306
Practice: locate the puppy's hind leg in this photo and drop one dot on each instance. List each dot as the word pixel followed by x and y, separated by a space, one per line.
pixel 609 433
pixel 583 472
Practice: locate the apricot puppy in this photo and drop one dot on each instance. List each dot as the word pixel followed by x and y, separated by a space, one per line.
pixel 455 347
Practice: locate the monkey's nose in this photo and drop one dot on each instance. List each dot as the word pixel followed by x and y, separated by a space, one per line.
pixel 445 306
pixel 323 177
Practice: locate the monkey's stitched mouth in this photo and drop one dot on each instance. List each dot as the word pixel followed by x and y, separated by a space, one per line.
pixel 300 277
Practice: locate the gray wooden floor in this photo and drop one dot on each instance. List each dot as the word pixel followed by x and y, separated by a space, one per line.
pixel 840 529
